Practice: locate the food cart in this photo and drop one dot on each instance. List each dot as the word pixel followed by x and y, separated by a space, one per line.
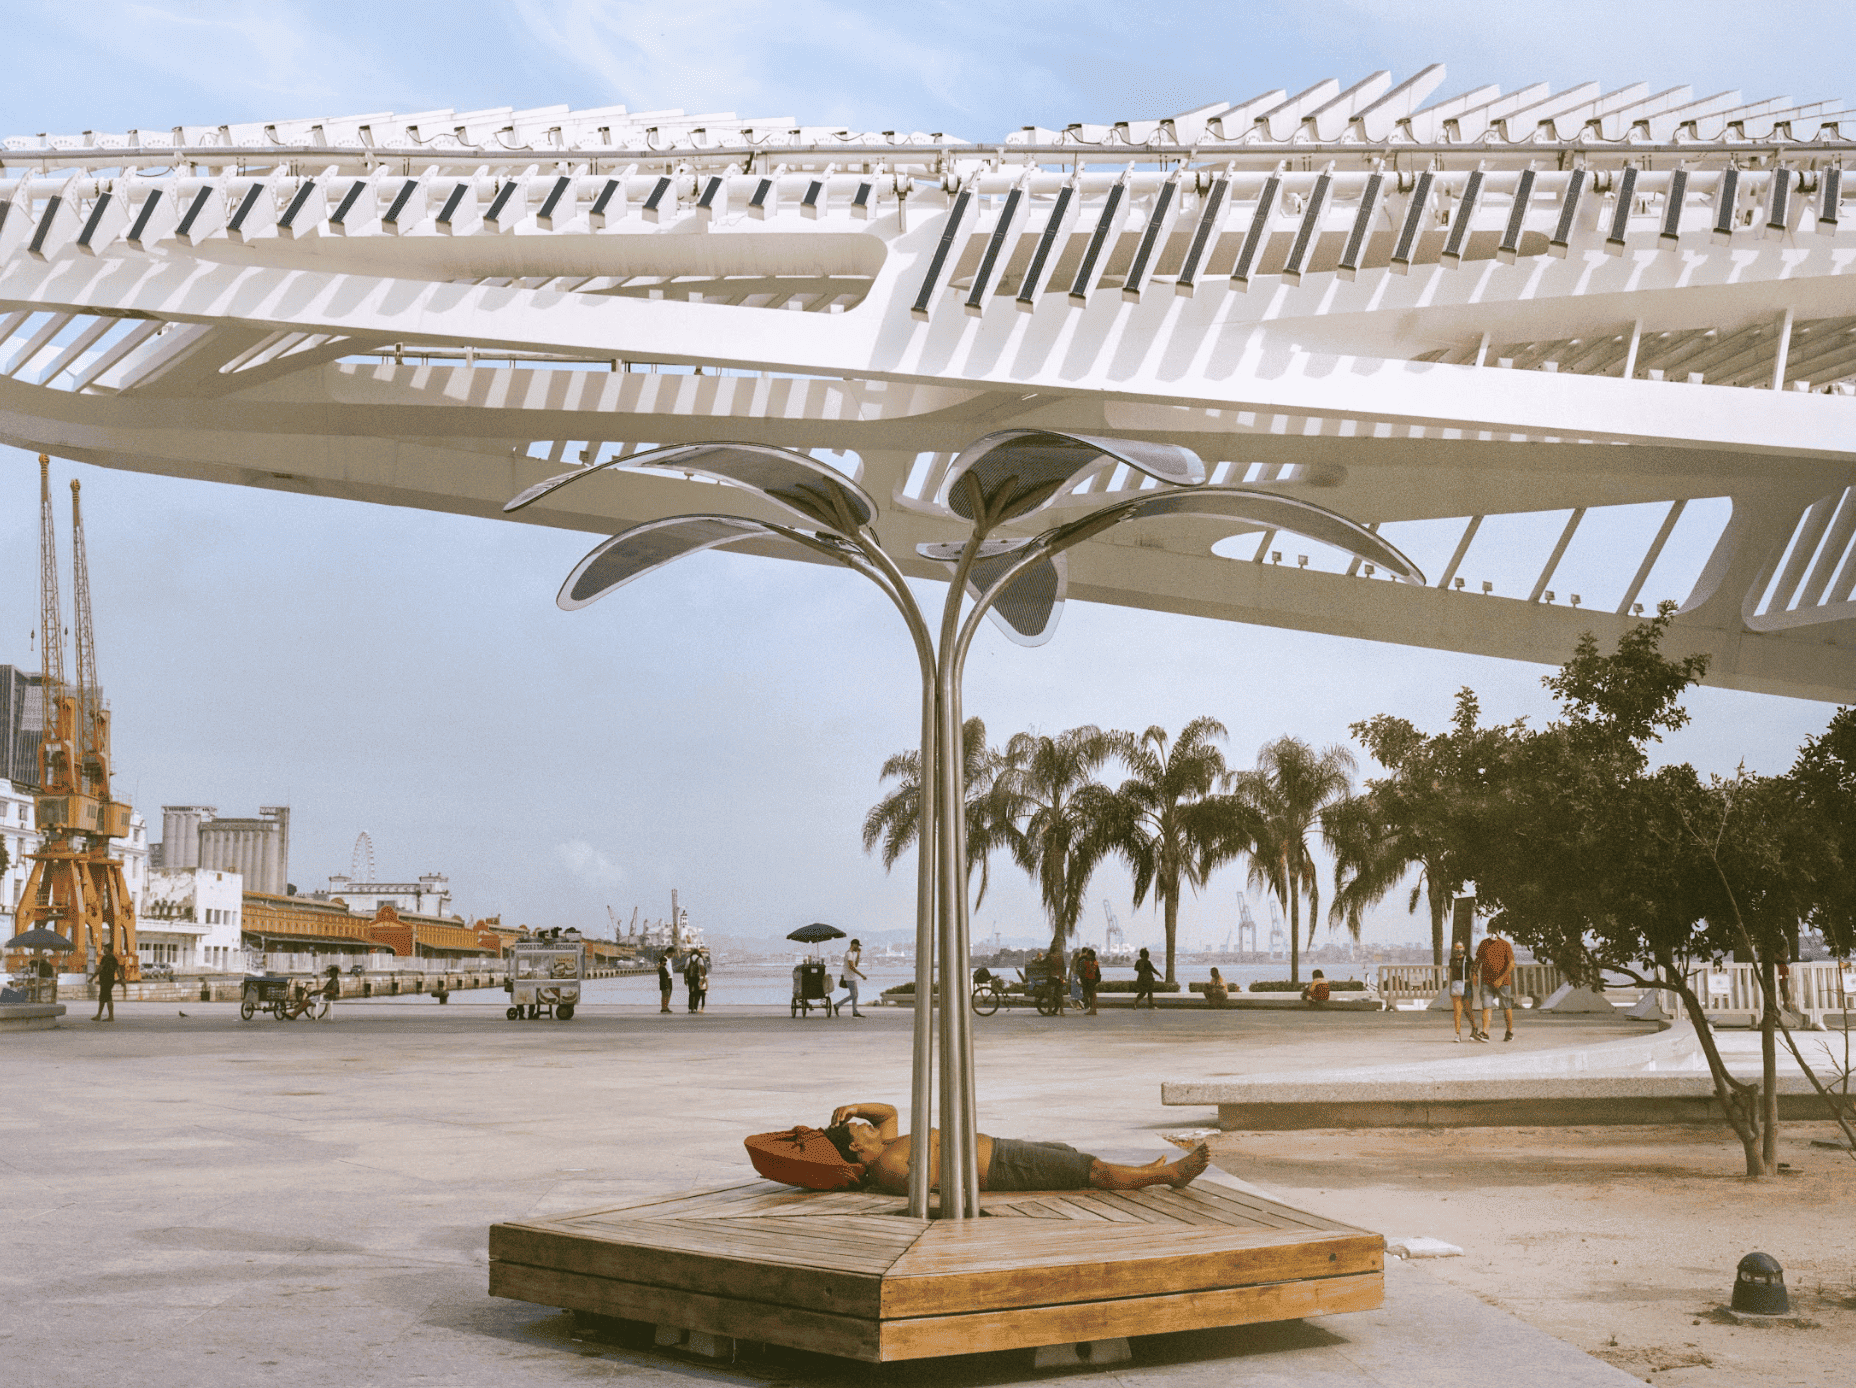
pixel 811 978
pixel 544 976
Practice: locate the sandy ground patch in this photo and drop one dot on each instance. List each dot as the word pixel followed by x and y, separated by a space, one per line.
pixel 1620 1240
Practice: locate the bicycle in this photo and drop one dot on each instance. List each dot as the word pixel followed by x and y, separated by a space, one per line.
pixel 1053 995
pixel 988 992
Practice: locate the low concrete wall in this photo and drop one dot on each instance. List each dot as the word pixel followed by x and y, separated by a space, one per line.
pixel 1586 1101
pixel 1649 1079
pixel 1195 1003
pixel 30 1016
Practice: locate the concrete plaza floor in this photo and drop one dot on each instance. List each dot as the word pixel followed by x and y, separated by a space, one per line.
pixel 197 1199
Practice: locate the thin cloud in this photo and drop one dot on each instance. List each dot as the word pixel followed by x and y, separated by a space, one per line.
pixel 761 58
pixel 589 864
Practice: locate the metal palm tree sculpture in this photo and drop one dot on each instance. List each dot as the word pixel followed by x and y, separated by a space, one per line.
pixel 1019 581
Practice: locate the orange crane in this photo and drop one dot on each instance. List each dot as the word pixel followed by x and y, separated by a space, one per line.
pixel 75 887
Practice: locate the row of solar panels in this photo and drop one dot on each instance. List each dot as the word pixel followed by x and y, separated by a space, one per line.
pixel 1776 197
pixel 1372 110
pixel 94 213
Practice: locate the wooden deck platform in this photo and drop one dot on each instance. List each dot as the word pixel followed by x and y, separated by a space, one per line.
pixel 848 1273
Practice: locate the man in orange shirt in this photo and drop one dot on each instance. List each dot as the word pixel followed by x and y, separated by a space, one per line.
pixel 1495 975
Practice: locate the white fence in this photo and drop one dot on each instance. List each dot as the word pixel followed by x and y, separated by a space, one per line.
pixel 1731 992
pixel 1404 983
pixel 277 962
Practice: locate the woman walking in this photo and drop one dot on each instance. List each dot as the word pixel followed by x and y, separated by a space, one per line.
pixel 1460 981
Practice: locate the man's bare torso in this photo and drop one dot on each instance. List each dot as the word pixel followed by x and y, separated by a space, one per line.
pixel 890 1172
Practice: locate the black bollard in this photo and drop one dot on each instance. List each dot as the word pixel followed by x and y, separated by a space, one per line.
pixel 1759 1286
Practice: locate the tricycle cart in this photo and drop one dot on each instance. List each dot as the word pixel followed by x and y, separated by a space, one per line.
pixel 544 977
pixel 284 997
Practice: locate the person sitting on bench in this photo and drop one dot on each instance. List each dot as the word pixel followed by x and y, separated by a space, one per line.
pixel 867 1133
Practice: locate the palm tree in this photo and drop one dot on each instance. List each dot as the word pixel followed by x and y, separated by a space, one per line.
pixel 1292 791
pixel 1061 820
pixel 894 821
pixel 1173 829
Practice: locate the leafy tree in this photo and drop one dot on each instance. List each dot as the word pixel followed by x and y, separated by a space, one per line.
pixel 1602 866
pixel 1290 794
pixel 1062 821
pixel 1171 826
pixel 1402 821
pixel 895 820
pixel 1824 780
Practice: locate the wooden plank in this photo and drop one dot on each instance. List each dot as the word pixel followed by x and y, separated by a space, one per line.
pixel 1177 1206
pixel 1250 1207
pixel 1119 1199
pixel 795 1249
pixel 1046 1238
pixel 848 1337
pixel 841 1290
pixel 1089 1246
pixel 1194 1214
pixel 1082 1211
pixel 675 1196
pixel 839 1202
pixel 1147 1272
pixel 934 1336
pixel 667 1206
pixel 1037 1209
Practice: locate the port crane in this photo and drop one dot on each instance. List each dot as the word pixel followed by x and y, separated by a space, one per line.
pixel 1113 941
pixel 75 887
pixel 1246 926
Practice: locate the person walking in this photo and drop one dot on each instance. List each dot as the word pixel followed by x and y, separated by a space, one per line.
pixel 665 984
pixel 1462 973
pixel 850 972
pixel 109 972
pixel 1089 976
pixel 1495 988
pixel 1144 976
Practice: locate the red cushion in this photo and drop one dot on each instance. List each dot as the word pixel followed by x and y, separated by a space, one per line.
pixel 802 1156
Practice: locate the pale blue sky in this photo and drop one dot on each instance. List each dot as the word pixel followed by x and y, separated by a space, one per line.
pixel 719 729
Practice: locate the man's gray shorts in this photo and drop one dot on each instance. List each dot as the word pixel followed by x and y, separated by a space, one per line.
pixel 1494 996
pixel 1021 1165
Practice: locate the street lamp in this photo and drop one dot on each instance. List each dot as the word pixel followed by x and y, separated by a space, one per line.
pixel 1018 582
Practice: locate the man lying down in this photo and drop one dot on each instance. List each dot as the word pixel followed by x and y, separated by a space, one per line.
pixel 867 1133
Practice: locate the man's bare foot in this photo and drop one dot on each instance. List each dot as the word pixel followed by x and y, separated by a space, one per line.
pixel 1190 1167
pixel 1158 1172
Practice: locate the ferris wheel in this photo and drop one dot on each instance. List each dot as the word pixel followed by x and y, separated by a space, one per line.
pixel 361 867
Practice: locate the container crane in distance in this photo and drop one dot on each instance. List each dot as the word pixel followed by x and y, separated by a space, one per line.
pixel 75 887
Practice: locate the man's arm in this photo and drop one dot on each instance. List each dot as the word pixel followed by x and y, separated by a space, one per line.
pixel 882 1116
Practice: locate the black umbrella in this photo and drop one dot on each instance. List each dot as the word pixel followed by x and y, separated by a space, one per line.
pixel 815 932
pixel 40 938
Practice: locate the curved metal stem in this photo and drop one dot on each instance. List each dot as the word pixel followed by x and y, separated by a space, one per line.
pixel 959 1166
pixel 921 1091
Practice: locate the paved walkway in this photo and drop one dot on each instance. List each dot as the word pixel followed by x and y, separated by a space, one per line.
pixel 200 1200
